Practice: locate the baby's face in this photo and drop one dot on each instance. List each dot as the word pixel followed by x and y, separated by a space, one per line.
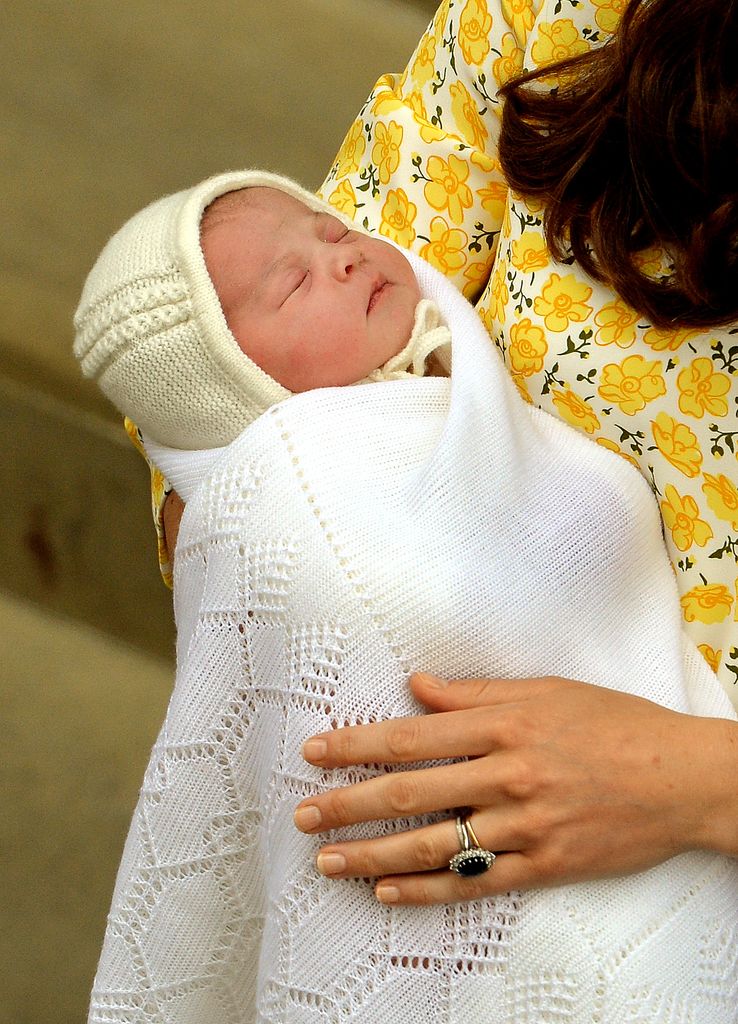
pixel 310 302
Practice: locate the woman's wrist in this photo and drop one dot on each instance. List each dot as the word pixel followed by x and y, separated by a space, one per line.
pixel 715 771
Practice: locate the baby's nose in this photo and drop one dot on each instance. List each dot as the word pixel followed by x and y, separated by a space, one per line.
pixel 342 259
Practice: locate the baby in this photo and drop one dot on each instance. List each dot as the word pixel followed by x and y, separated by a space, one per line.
pixel 213 304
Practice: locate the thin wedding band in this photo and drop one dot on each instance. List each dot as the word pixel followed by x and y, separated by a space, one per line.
pixel 472 859
pixel 472 833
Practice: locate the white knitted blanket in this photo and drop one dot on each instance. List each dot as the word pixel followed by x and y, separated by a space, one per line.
pixel 348 537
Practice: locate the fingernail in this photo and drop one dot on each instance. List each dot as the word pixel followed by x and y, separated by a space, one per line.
pixel 307 818
pixel 314 750
pixel 331 863
pixel 387 894
pixel 432 682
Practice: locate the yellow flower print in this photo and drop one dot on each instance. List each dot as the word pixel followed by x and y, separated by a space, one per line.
pixel 423 67
pixel 134 435
pixel 702 389
pixel 499 295
pixel 519 16
pixel 575 410
pixel 505 229
pixel 386 150
pixel 486 316
pixel 385 104
pixel 612 446
pixel 466 115
pixel 563 300
pixel 709 603
pixel 414 100
pixel 510 62
pixel 494 195
pixel 616 323
pixel 494 199
pixel 343 198
pixel 528 346
pixel 529 252
pixel 530 204
pixel 387 101
pixel 429 132
pixel 609 13
pixel 605 442
pixel 557 41
pixel 351 151
pixel 447 189
pixel 439 21
pixel 485 162
pixel 677 443
pixel 476 275
pixel 711 656
pixel 681 515
pixel 398 214
pixel 159 488
pixel 722 497
pixel 446 249
pixel 159 491
pixel 522 387
pixel 651 261
pixel 668 339
pixel 475 24
pixel 632 383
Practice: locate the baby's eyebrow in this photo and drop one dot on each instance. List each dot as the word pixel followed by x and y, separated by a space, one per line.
pixel 277 263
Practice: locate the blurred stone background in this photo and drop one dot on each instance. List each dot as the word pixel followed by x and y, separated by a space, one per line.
pixel 103 107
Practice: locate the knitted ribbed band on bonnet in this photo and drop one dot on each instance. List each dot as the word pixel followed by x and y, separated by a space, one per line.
pixel 151 331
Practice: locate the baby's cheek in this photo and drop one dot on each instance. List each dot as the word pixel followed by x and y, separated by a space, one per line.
pixel 318 357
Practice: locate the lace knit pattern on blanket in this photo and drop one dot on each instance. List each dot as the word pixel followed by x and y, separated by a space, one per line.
pixel 347 538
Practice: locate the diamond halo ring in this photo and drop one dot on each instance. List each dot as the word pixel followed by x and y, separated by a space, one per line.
pixel 471 859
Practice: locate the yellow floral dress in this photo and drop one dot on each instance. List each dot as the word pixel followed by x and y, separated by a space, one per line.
pixel 419 166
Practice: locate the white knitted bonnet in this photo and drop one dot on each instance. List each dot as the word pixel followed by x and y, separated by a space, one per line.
pixel 151 331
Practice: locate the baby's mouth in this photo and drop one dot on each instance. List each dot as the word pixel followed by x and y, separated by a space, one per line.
pixel 376 294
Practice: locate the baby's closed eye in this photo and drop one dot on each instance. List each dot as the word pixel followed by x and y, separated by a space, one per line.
pixel 333 230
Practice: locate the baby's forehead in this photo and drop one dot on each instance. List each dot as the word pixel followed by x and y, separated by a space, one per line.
pixel 255 198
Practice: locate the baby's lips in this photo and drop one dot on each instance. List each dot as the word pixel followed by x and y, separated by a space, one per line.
pixel 377 290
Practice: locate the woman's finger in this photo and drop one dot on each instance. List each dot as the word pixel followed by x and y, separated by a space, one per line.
pixel 402 795
pixel 480 715
pixel 423 849
pixel 457 694
pixel 469 733
pixel 510 871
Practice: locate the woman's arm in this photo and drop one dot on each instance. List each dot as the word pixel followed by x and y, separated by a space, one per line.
pixel 566 782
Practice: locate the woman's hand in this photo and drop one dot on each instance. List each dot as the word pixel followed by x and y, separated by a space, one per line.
pixel 565 782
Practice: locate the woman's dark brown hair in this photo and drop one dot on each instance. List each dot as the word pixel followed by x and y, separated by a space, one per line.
pixel 637 146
